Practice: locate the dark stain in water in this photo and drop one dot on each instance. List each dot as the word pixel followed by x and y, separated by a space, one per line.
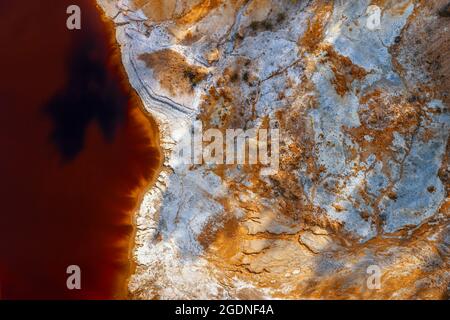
pixel 90 95
pixel 77 154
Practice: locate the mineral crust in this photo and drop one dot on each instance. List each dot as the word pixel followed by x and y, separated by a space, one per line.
pixel 359 92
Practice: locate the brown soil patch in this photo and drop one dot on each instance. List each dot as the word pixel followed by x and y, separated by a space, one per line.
pixel 173 72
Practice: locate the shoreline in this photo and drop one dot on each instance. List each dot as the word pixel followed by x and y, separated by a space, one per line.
pixel 123 291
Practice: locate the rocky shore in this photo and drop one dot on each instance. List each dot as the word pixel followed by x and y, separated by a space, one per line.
pixel 359 93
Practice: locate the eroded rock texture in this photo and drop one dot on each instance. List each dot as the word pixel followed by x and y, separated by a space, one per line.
pixel 362 110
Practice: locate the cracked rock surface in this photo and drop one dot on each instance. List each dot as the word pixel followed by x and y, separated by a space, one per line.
pixel 359 91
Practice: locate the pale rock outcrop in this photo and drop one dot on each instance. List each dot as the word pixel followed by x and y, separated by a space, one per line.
pixel 359 91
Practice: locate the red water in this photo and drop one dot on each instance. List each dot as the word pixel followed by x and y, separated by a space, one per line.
pixel 76 154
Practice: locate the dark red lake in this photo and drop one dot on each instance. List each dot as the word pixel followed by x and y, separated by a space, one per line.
pixel 77 153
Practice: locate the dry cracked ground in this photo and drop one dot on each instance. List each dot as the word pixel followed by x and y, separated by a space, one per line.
pixel 359 92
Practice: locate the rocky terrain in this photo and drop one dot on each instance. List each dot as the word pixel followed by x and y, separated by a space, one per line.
pixel 359 93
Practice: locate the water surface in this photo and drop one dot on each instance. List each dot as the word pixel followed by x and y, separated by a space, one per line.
pixel 77 152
